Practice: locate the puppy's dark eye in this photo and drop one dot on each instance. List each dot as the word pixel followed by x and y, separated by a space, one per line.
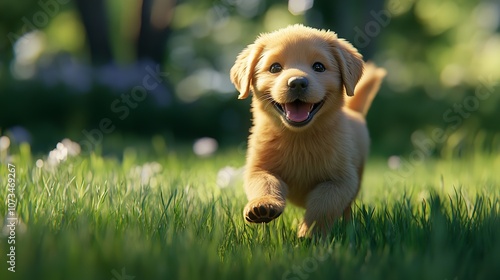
pixel 275 68
pixel 318 67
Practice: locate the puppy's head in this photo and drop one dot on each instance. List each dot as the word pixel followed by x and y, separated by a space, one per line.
pixel 297 74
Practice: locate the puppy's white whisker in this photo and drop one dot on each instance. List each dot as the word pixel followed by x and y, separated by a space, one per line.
pixel 268 99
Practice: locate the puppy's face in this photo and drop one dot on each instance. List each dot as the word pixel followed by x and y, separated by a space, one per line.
pixel 297 78
pixel 297 74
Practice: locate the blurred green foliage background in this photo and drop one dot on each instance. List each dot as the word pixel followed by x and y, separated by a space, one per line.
pixel 65 66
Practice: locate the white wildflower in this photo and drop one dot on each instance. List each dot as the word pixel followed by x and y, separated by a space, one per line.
pixel 394 162
pixel 63 149
pixel 205 146
pixel 4 143
pixel 229 176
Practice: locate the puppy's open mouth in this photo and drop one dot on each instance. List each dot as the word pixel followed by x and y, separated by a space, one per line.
pixel 298 113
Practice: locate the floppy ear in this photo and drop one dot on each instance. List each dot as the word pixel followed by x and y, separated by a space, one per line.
pixel 350 64
pixel 243 69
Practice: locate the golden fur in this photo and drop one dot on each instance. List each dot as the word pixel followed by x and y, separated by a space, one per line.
pixel 306 145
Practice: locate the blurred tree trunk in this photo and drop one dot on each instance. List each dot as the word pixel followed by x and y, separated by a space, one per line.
pixel 156 16
pixel 360 22
pixel 94 19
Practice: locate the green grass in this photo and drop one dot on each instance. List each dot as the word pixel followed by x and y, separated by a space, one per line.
pixel 92 216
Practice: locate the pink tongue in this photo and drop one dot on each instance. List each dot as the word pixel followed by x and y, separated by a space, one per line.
pixel 297 111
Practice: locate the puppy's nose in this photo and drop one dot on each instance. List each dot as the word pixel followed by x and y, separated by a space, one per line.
pixel 298 84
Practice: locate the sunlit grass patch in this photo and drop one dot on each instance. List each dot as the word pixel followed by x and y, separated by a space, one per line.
pixel 165 216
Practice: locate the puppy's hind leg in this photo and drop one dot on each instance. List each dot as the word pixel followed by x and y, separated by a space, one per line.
pixel 267 196
pixel 326 203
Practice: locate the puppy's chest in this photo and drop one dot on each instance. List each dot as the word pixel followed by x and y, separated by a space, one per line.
pixel 303 164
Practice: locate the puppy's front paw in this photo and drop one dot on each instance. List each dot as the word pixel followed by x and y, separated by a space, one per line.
pixel 263 210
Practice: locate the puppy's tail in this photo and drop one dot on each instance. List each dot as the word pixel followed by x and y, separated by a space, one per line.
pixel 366 89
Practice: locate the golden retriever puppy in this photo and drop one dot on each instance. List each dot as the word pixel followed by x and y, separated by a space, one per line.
pixel 307 144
